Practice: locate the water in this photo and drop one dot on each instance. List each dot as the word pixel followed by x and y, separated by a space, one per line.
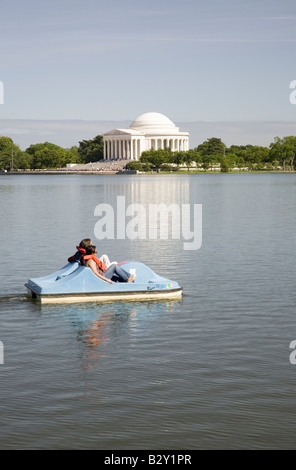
pixel 209 372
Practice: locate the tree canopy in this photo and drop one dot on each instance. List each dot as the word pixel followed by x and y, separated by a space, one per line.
pixel 283 150
pixel 37 156
pixel 91 150
pixel 209 155
pixel 214 154
pixel 10 154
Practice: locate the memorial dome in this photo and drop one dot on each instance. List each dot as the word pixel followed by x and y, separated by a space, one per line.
pixel 152 121
pixel 149 131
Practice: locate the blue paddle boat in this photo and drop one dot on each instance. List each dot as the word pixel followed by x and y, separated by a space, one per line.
pixel 75 283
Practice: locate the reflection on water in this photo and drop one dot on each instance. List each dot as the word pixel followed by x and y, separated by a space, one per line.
pixel 143 190
pixel 96 325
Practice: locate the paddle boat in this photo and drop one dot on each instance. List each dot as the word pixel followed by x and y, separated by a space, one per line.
pixel 76 283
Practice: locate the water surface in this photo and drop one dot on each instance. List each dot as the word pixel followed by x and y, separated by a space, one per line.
pixel 209 372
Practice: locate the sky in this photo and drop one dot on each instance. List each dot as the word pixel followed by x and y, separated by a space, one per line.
pixel 194 61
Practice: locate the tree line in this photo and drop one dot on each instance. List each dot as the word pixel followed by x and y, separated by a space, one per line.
pixel 47 155
pixel 211 154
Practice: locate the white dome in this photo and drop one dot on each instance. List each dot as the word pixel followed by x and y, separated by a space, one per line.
pixel 152 121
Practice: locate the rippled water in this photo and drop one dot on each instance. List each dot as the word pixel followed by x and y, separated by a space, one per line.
pixel 209 372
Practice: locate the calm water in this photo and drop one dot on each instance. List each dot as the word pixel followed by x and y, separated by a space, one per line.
pixel 209 372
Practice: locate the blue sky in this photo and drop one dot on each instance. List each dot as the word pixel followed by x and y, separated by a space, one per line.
pixel 193 60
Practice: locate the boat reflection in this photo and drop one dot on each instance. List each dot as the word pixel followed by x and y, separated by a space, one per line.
pixel 99 328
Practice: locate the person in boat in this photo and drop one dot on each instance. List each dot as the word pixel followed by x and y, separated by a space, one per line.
pixel 105 273
pixel 85 243
pixel 81 250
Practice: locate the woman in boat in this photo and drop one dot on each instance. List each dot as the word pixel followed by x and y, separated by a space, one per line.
pixel 101 270
pixel 85 243
pixel 81 250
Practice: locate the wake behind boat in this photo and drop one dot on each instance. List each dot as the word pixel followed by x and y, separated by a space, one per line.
pixel 75 283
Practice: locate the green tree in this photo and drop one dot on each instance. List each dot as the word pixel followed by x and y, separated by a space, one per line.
pixel 224 165
pixel 47 155
pixel 190 157
pixel 156 157
pixel 205 162
pixel 24 161
pixel 212 146
pixel 232 160
pixel 239 161
pixel 178 158
pixel 73 155
pixel 134 165
pixel 10 154
pixel 283 150
pixel 257 155
pixel 91 150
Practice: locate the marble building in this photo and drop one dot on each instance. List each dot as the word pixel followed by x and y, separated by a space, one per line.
pixel 148 131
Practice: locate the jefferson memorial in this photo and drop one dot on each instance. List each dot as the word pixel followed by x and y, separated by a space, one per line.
pixel 148 131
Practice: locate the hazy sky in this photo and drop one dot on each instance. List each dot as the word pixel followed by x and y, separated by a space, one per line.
pixel 193 60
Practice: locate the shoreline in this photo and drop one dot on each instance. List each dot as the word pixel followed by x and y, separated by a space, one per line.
pixel 57 172
pixel 132 172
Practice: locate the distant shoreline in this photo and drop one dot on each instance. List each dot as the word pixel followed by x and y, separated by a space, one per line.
pixel 57 172
pixel 131 172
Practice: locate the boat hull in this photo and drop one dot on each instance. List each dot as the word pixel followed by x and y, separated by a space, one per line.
pixel 173 294
pixel 78 284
